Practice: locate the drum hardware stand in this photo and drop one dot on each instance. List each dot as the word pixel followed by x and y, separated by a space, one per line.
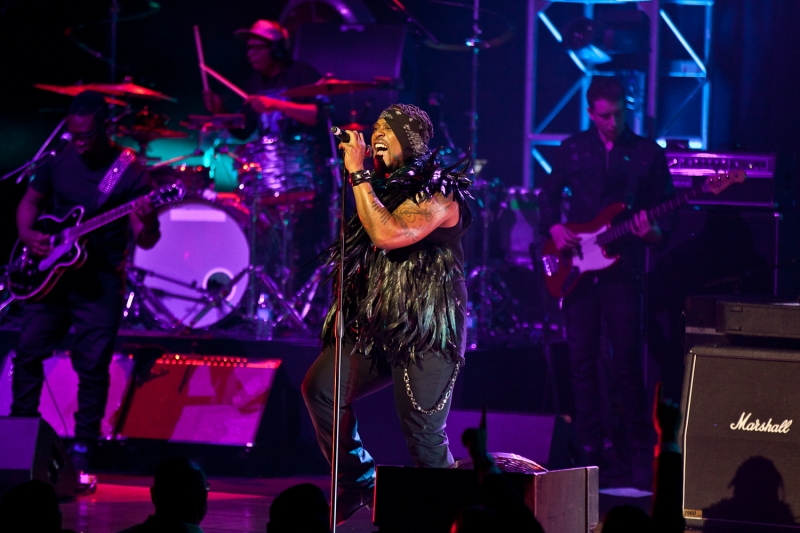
pixel 162 315
pixel 278 301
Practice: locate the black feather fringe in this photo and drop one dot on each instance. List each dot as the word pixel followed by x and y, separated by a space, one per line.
pixel 400 304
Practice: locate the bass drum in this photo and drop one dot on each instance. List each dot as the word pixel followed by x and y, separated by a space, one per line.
pixel 202 249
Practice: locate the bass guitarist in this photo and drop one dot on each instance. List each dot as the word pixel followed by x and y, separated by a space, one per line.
pixel 88 299
pixel 603 165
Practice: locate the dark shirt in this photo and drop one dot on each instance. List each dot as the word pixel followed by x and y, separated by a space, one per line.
pixel 295 74
pixel 67 181
pixel 634 172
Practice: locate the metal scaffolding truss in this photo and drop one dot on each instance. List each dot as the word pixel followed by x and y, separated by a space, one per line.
pixel 645 118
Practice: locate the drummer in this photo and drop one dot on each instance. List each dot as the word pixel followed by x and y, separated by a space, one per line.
pixel 274 72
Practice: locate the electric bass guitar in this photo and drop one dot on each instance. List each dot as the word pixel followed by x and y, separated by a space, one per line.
pixel 31 277
pixel 563 269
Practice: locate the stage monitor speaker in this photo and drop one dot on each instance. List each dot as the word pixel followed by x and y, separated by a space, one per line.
pixel 427 500
pixel 30 449
pixel 202 399
pixel 59 399
pixel 545 439
pixel 741 460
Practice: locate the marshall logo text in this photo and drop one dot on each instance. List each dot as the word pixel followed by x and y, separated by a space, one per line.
pixel 767 427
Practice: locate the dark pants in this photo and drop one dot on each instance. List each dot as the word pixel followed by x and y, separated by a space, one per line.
pixel 91 303
pixel 606 298
pixel 425 435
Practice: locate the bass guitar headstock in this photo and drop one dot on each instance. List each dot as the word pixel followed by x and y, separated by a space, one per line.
pixel 723 179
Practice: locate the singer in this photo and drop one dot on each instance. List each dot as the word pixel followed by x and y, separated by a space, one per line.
pixel 404 299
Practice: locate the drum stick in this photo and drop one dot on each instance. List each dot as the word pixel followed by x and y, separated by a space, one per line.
pixel 225 82
pixel 200 57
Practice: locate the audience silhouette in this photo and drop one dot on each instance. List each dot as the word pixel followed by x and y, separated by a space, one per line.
pixel 30 507
pixel 299 509
pixel 180 496
pixel 502 508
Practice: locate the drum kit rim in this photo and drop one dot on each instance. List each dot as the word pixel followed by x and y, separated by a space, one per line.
pixel 170 286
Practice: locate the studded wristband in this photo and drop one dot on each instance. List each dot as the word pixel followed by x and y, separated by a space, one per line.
pixel 360 176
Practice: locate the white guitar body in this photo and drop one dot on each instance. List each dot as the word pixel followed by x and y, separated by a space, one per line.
pixel 590 255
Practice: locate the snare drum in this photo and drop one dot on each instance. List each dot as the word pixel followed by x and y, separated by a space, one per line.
pixel 279 171
pixel 202 248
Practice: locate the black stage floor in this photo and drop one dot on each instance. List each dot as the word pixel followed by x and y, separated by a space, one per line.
pixel 235 505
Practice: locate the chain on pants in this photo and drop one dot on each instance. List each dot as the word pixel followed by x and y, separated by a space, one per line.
pixel 424 433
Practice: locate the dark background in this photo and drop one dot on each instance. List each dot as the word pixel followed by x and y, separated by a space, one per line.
pixel 756 55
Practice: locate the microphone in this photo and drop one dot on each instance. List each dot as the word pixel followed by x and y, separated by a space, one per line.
pixel 344 137
pixel 63 140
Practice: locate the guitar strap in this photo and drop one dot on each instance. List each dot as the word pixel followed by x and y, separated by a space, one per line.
pixel 112 177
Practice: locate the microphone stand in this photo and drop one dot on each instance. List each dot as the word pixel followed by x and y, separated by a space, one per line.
pixel 39 156
pixel 337 368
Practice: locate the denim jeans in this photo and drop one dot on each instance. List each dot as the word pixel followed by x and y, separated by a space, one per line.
pixel 424 434
pixel 90 302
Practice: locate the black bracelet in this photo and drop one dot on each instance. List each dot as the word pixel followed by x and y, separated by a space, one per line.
pixel 360 176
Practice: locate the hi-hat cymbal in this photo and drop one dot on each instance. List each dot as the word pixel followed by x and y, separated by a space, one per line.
pixel 329 86
pixel 114 89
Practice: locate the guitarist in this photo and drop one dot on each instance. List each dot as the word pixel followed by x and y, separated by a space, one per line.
pixel 88 299
pixel 603 165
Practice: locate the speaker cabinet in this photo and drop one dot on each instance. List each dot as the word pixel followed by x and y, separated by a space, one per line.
pixel 30 449
pixel 545 439
pixel 427 500
pixel 740 443
pixel 201 399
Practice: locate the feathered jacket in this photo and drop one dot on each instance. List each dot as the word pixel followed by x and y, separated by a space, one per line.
pixel 401 304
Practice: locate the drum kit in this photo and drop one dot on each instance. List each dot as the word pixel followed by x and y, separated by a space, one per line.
pixel 224 253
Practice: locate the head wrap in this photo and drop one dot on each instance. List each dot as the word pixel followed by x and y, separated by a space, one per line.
pixel 411 126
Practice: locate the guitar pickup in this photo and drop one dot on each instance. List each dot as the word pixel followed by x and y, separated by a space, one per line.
pixel 550 264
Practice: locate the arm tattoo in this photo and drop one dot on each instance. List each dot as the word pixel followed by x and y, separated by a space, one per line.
pixel 406 215
pixel 384 213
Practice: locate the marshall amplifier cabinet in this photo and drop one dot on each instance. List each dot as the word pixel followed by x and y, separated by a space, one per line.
pixel 689 169
pixel 741 439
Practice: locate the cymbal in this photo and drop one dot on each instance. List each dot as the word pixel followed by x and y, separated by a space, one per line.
pixel 113 89
pixel 128 89
pixel 329 86
pixel 144 134
pixel 74 90
pixel 115 101
pixel 68 90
